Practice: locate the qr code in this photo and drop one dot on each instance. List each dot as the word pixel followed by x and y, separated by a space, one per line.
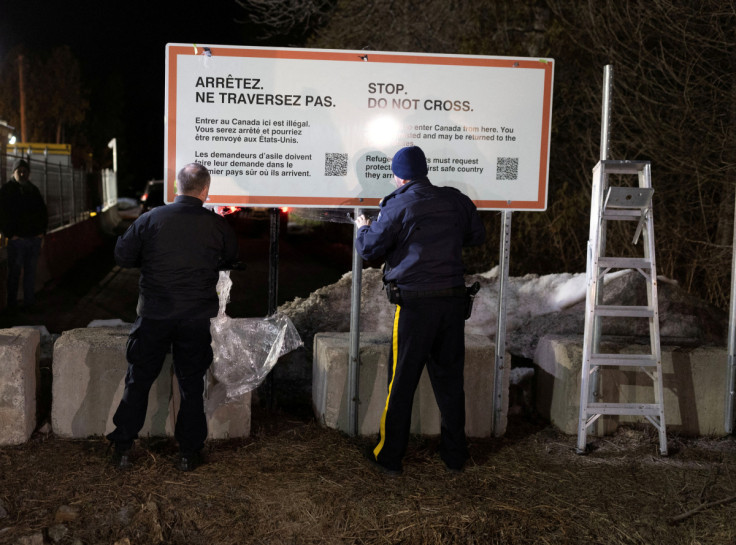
pixel 507 168
pixel 336 164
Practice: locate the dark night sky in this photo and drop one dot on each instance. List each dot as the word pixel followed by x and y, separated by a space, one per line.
pixel 121 49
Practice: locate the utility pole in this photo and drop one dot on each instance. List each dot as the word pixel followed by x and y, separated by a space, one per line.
pixel 22 100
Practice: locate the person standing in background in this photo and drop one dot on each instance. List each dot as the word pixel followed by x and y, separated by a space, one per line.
pixel 23 222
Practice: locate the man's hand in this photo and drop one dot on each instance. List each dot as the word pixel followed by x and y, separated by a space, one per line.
pixel 362 221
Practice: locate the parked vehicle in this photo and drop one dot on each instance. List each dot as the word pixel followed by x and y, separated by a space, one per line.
pixel 129 209
pixel 153 196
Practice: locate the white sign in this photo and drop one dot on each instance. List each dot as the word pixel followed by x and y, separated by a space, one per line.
pixel 306 127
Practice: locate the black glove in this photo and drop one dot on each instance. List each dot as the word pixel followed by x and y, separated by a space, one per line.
pixel 471 291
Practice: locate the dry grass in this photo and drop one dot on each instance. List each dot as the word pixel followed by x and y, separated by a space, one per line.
pixel 294 482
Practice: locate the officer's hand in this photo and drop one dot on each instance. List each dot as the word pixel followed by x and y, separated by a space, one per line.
pixel 362 221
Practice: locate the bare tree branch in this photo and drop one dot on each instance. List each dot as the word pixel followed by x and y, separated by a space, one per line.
pixel 285 18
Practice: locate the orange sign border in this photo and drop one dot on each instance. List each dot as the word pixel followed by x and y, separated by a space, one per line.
pixel 547 65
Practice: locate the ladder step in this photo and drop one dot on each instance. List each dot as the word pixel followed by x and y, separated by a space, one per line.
pixel 612 166
pixel 629 198
pixel 624 311
pixel 623 360
pixel 643 409
pixel 621 214
pixel 625 262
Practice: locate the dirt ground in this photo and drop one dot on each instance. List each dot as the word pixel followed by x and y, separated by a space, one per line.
pixel 294 482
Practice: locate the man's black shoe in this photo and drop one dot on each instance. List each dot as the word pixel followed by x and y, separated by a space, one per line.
pixel 189 461
pixel 121 458
pixel 378 466
pixel 454 466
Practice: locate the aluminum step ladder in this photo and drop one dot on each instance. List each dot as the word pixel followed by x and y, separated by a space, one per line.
pixel 631 204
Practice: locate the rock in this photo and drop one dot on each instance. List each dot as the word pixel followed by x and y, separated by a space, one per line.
pixel 155 532
pixel 3 511
pixel 66 513
pixel 33 539
pixel 123 516
pixel 521 398
pixel 114 322
pixel 519 375
pixel 57 532
pixel 45 428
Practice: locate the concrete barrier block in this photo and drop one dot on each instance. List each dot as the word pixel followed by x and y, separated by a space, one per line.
pixel 89 380
pixel 330 376
pixel 224 420
pixel 694 386
pixel 557 384
pixel 89 369
pixel 694 390
pixel 231 419
pixel 329 386
pixel 19 360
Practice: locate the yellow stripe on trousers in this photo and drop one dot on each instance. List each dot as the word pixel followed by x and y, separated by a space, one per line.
pixel 395 354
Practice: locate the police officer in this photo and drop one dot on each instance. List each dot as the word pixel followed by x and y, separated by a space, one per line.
pixel 179 249
pixel 420 232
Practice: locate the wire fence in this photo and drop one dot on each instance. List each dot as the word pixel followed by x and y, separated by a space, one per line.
pixel 71 195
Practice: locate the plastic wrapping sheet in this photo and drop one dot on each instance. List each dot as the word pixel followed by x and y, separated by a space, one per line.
pixel 245 349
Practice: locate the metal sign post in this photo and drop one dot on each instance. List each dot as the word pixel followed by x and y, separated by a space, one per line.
pixel 731 368
pixel 594 379
pixel 606 113
pixel 273 284
pixel 354 356
pixel 501 365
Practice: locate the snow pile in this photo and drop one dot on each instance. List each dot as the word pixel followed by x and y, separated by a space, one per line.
pixel 535 306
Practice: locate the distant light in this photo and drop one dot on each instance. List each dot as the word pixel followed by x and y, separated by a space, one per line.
pixel 92 214
pixel 225 210
pixel 11 140
pixel 285 209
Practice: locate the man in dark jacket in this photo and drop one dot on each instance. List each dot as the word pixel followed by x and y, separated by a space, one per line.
pixel 180 249
pixel 23 222
pixel 420 232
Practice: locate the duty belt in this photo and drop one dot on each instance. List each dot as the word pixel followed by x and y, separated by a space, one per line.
pixel 460 291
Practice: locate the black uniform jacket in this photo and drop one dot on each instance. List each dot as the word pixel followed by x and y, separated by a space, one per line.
pixel 420 232
pixel 180 249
